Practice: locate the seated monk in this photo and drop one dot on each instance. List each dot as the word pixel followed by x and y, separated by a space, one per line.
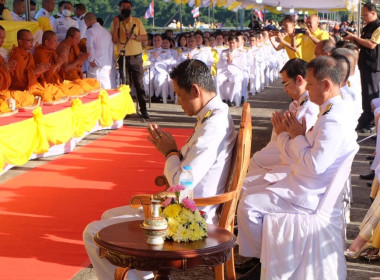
pixel 5 78
pixel 69 48
pixel 24 77
pixel 46 53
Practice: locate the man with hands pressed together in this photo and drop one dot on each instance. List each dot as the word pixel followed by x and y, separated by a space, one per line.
pixel 317 153
pixel 208 151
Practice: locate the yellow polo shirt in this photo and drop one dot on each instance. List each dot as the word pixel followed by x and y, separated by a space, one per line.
pixel 133 47
pixel 308 45
pixel 291 53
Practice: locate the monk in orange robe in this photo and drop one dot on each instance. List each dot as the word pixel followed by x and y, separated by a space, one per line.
pixel 69 48
pixel 27 73
pixel 46 53
pixel 5 77
pixel 73 66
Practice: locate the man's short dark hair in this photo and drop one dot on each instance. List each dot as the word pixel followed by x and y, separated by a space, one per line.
pixel 370 7
pixel 295 67
pixel 80 7
pixel 61 3
pixel 125 1
pixel 289 18
pixel 347 45
pixel 193 71
pixel 327 46
pixel 343 64
pixel 325 67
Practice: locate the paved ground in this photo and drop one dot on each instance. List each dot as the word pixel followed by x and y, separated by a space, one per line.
pixel 263 104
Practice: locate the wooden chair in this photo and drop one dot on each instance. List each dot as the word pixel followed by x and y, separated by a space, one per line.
pixel 227 200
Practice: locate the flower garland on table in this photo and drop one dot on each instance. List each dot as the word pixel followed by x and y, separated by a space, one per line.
pixel 185 222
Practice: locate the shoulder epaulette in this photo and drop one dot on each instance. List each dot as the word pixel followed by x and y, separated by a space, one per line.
pixel 304 100
pixel 206 116
pixel 327 110
pixel 56 16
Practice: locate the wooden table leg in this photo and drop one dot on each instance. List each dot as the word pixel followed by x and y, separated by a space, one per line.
pixel 121 273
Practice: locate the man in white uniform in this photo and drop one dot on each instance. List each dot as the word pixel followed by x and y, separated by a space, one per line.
pixel 231 65
pixel 208 151
pixel 80 12
pixel 18 10
pixel 274 156
pixel 193 52
pixel 100 47
pixel 318 153
pixel 47 8
pixel 63 23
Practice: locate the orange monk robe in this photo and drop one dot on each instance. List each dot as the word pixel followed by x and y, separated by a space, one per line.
pixel 88 84
pixel 77 72
pixel 5 77
pixel 23 76
pixel 22 97
pixel 43 54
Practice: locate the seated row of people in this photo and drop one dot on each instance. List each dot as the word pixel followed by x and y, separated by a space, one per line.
pixel 52 72
pixel 238 67
pixel 305 151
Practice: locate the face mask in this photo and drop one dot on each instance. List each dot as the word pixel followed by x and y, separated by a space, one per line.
pixel 126 13
pixel 66 13
pixel 32 14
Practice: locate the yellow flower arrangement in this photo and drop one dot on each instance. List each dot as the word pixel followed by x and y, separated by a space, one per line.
pixel 185 222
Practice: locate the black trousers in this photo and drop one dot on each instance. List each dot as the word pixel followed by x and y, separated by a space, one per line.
pixel 134 69
pixel 370 90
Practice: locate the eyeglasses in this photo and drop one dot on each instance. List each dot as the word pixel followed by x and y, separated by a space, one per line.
pixel 285 84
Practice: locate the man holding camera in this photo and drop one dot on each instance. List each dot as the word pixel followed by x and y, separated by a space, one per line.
pixel 313 35
pixel 369 62
pixel 290 40
pixel 128 33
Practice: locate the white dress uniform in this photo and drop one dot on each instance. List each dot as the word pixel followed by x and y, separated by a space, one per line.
pixel 149 81
pixel 208 152
pixel 201 53
pixel 100 47
pixel 16 17
pixel 165 62
pixel 318 155
pixel 62 24
pixel 81 25
pixel 230 75
pixel 276 155
pixel 260 65
pixel 246 71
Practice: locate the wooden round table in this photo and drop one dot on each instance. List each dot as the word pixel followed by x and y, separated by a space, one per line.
pixel 124 245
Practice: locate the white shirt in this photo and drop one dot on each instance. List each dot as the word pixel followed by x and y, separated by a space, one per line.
pixel 318 155
pixel 61 25
pixel 16 17
pixel 42 13
pixel 208 152
pixel 99 45
pixel 201 53
pixel 81 26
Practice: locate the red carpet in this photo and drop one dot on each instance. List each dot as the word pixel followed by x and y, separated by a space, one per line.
pixel 44 211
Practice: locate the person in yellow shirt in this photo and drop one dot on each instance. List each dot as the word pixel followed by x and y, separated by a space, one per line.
pixel 5 14
pixel 313 35
pixel 290 41
pixel 128 33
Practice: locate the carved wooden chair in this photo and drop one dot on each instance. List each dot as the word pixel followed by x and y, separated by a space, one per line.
pixel 228 200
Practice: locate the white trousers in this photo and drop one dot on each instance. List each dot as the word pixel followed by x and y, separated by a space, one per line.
pixel 103 268
pixel 254 204
pixel 105 75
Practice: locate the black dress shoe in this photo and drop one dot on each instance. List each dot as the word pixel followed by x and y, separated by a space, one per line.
pixel 370 157
pixel 253 274
pixel 145 115
pixel 369 176
pixel 247 265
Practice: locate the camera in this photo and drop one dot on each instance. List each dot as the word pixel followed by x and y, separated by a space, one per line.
pixel 300 31
pixel 343 34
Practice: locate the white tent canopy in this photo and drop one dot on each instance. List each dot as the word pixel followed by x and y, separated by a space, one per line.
pixel 320 5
